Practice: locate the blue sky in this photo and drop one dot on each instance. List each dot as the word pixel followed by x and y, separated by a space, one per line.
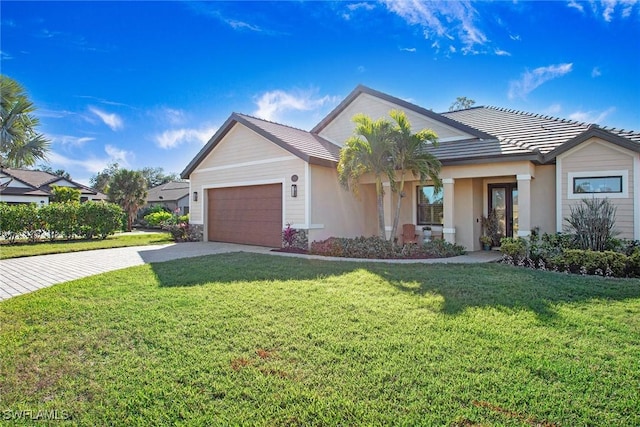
pixel 148 83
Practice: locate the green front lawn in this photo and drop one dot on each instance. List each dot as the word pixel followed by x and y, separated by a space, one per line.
pixel 246 339
pixel 116 241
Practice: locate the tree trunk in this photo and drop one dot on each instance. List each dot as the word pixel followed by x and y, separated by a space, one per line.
pixel 380 203
pixel 396 218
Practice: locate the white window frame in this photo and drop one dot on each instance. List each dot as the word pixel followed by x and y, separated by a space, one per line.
pixel 597 174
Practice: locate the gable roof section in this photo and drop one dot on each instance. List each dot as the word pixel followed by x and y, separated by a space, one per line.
pixel 168 192
pixel 40 183
pixel 537 133
pixel 595 131
pixel 309 147
pixel 360 89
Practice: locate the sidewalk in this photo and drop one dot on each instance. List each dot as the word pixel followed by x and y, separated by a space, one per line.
pixel 23 275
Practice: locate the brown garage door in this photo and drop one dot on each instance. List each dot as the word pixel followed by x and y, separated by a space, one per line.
pixel 250 215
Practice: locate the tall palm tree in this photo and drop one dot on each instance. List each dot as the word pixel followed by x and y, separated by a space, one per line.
pixel 409 155
pixel 20 144
pixel 128 189
pixel 367 151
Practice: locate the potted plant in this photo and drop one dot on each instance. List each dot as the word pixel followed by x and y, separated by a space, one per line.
pixel 426 234
pixel 486 242
pixel 491 227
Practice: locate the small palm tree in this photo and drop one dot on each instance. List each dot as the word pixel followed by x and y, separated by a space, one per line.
pixel 20 144
pixel 128 189
pixel 367 151
pixel 409 155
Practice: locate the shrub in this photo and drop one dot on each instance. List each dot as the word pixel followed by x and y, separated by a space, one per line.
pixel 180 232
pixel 633 264
pixel 61 194
pixel 440 248
pixel 155 219
pixel 378 248
pixel 516 248
pixel 592 223
pixel 589 262
pixel 10 223
pixel 31 222
pixel 99 219
pixel 328 247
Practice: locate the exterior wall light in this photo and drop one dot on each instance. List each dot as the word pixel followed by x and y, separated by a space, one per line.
pixel 294 190
pixel 195 196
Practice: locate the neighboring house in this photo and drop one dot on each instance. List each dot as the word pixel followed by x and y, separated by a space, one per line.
pixel 27 186
pixel 253 177
pixel 172 195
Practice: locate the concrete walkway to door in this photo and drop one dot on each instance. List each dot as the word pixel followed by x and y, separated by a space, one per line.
pixel 23 275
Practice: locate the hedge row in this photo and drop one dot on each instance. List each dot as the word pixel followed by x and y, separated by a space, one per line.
pixel 578 261
pixel 59 221
pixel 378 248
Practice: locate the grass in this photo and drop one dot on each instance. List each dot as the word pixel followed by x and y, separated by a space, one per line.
pixel 247 339
pixel 116 241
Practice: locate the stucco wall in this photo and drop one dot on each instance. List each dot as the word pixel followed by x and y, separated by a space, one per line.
pixel 598 156
pixel 543 199
pixel 336 212
pixel 342 126
pixel 246 158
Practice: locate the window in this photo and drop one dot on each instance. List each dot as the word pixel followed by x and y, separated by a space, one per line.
pixel 612 184
pixel 430 209
pixel 598 184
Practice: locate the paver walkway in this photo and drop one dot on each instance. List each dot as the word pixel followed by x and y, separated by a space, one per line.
pixel 22 275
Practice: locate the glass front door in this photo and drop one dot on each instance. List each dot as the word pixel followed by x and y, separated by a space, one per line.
pixel 504 199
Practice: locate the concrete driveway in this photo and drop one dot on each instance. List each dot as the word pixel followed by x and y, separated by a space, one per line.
pixel 22 275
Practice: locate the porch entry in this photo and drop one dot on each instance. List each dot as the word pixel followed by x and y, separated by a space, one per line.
pixel 504 199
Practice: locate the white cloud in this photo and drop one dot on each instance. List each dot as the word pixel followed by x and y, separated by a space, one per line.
pixel 174 137
pixel 353 7
pixel 362 5
pixel 501 52
pixel 90 163
pixel 574 4
pixel 607 8
pixel 74 141
pixel 5 56
pixel 592 116
pixel 167 115
pixel 596 72
pixel 110 119
pixel 553 109
pixel 117 155
pixel 271 105
pixel 530 80
pixel 408 49
pixel 454 20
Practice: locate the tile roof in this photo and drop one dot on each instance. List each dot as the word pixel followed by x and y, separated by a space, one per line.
pixel 41 182
pixel 310 145
pixel 171 191
pixel 527 132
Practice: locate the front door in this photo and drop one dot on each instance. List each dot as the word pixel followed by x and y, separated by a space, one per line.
pixel 504 199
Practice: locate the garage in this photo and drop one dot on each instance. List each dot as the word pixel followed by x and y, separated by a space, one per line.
pixel 250 215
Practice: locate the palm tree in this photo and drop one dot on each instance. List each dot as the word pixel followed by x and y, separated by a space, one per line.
pixel 20 144
pixel 409 155
pixel 129 190
pixel 367 151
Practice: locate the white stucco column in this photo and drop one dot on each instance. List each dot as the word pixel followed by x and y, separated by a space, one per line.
pixel 524 205
pixel 449 229
pixel 388 211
